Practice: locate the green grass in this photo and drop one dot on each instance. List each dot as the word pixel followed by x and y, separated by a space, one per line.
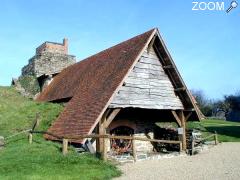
pixel 227 131
pixel 42 159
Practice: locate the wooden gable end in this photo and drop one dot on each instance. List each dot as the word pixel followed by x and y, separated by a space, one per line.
pixel 147 86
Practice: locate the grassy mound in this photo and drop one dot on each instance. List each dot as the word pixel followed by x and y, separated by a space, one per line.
pixel 42 159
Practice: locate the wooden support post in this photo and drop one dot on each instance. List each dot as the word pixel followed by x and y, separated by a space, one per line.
pixel 215 138
pixel 102 141
pixel 183 122
pixel 107 118
pixel 134 149
pixel 65 146
pixel 30 137
pixel 180 147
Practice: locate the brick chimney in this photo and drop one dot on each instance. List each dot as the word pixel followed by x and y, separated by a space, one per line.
pixel 65 44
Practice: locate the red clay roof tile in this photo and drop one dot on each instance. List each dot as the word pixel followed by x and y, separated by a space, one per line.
pixel 91 83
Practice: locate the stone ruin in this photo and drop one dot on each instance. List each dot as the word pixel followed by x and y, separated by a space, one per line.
pixel 50 59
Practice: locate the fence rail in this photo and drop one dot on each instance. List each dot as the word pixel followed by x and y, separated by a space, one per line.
pixel 66 139
pixel 215 136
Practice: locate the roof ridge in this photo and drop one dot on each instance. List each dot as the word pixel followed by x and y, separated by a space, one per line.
pixel 118 44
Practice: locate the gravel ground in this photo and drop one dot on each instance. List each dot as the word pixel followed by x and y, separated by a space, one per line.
pixel 219 162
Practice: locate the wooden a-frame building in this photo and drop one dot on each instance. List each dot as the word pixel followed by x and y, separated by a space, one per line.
pixel 123 90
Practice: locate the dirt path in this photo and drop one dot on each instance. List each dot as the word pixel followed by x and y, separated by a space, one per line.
pixel 219 162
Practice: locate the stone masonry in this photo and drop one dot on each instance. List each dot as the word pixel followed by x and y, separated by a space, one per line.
pixel 50 59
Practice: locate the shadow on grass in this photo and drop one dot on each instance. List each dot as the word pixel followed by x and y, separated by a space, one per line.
pixel 233 131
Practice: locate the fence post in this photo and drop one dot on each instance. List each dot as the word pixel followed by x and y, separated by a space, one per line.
pixel 215 138
pixel 193 143
pixel 104 154
pixel 30 137
pixel 134 149
pixel 180 147
pixel 65 146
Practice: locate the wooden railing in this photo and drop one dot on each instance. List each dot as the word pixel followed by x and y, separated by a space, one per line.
pixel 65 141
pixel 214 136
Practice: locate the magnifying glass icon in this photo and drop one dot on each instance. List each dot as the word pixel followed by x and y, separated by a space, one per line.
pixel 233 5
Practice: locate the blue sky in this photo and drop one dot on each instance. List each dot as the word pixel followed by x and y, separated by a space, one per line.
pixel 205 45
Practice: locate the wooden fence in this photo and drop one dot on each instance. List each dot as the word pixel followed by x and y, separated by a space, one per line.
pixel 66 140
pixel 214 136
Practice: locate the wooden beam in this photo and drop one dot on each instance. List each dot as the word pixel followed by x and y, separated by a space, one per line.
pixel 110 118
pixel 151 44
pixel 102 131
pixel 183 122
pixel 176 117
pixel 180 89
pixel 188 116
pixel 168 67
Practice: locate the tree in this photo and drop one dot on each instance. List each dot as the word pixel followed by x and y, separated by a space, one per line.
pixel 204 104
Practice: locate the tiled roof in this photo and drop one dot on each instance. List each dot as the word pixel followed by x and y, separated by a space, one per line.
pixel 90 84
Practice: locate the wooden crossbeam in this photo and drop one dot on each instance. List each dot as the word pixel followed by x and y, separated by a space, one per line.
pixel 176 117
pixel 180 89
pixel 168 67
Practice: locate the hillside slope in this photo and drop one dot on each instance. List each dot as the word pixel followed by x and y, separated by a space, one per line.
pixel 42 159
pixel 18 113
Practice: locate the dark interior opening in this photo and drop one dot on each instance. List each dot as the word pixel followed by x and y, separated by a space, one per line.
pixel 120 146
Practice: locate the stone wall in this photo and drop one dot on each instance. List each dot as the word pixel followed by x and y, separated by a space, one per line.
pixel 47 64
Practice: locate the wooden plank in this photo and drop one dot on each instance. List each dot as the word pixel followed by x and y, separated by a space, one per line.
pixel 65 146
pixel 176 117
pixel 145 84
pixel 147 60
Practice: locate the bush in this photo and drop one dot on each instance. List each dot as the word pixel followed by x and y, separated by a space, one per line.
pixel 29 84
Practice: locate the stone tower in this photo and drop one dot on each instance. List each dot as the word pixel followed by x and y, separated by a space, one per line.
pixel 50 59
